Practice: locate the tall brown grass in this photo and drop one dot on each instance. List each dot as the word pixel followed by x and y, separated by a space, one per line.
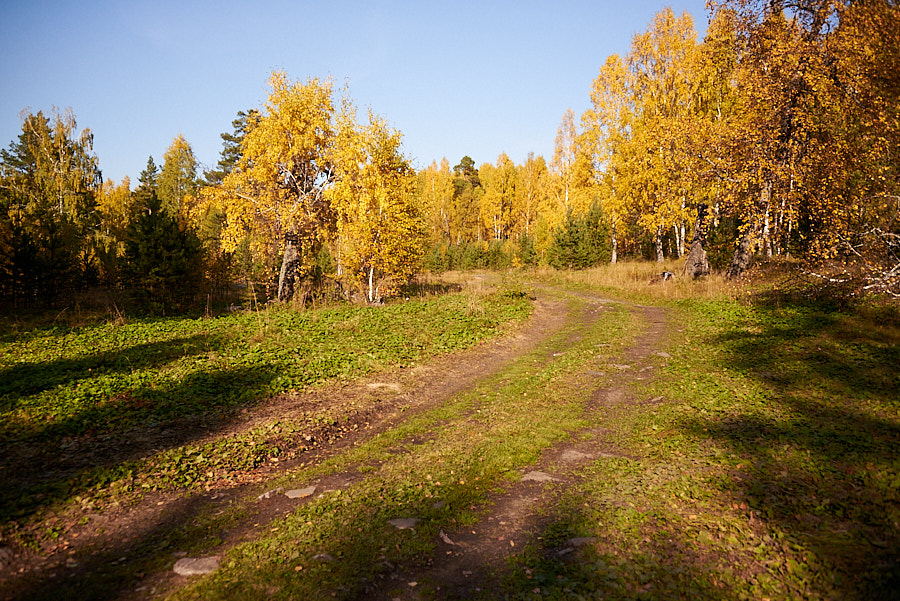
pixel 643 279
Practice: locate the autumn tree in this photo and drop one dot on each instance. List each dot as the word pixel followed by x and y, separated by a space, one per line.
pixel 792 171
pixel 866 63
pixel 467 193
pixel 436 192
pixel 308 173
pixel 496 206
pixel 562 166
pixel 380 231
pixel 178 177
pixel 115 211
pixel 532 191
pixel 607 126
pixel 50 180
pixel 661 63
pixel 276 194
pixel 208 218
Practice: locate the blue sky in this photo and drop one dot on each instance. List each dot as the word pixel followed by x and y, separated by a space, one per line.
pixel 457 78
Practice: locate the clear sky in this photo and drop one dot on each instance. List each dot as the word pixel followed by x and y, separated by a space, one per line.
pixel 457 78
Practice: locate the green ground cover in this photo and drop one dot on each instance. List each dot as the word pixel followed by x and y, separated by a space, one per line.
pixel 101 381
pixel 465 450
pixel 759 463
pixel 768 471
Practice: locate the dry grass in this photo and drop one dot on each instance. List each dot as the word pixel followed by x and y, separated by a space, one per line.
pixel 642 278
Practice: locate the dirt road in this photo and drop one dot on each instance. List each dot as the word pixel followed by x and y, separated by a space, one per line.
pixel 121 553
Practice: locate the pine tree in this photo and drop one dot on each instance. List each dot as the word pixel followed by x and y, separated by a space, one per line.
pixel 231 152
pixel 164 260
pixel 581 242
pixel 149 178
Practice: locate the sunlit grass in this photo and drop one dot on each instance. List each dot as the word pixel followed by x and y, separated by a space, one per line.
pixel 90 386
pixel 765 472
pixel 642 279
pixel 466 448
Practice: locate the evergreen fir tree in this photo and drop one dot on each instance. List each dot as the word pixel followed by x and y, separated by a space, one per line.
pixel 581 242
pixel 164 260
pixel 231 146
pixel 149 179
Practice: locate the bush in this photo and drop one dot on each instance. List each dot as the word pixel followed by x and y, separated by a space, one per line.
pixel 581 242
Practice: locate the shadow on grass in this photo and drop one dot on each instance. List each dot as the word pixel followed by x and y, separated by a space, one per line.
pixel 117 571
pixel 49 466
pixel 424 288
pixel 659 563
pixel 25 379
pixel 819 456
pixel 370 559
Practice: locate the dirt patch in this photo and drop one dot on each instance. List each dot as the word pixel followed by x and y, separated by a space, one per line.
pixel 471 562
pixel 123 550
pixel 96 541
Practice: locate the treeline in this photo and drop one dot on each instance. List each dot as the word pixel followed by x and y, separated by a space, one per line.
pixel 304 195
pixel 777 134
pixel 63 229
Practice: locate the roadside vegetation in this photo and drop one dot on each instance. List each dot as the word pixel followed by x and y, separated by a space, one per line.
pixel 103 412
pixel 767 465
pixel 757 462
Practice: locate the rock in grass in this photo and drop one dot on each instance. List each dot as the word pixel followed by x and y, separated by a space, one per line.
pixel 195 566
pixel 580 541
pixel 538 477
pixel 300 493
pixel 574 543
pixel 268 494
pixel 404 523
pixel 571 455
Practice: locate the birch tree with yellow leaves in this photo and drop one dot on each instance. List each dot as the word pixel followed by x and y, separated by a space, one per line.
pixel 436 193
pixel 812 146
pixel 607 126
pixel 532 191
pixel 276 195
pixel 309 175
pixel 380 230
pixel 661 63
pixel 499 182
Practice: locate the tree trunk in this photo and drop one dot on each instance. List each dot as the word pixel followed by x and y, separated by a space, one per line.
pixel 615 243
pixel 743 253
pixel 658 241
pixel 287 279
pixel 697 263
pixel 767 236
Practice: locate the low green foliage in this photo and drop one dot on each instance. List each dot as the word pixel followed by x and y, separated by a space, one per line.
pixel 581 241
pixel 439 467
pixel 91 386
pixel 758 462
pixel 767 468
